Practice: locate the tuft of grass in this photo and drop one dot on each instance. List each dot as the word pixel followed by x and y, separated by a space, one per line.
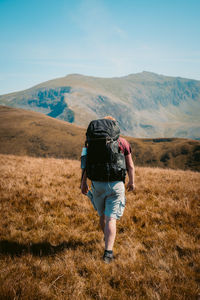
pixel 51 245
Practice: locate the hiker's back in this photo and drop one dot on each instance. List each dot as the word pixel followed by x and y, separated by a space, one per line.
pixel 105 160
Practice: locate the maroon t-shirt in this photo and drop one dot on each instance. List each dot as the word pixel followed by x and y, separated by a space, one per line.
pixel 124 146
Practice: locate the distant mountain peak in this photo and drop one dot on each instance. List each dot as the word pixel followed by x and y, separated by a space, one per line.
pixel 145 104
pixel 75 75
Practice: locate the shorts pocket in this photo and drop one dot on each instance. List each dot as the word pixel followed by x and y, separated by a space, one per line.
pixel 117 187
pixel 121 208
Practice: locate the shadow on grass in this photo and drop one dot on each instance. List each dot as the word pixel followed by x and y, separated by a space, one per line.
pixel 37 249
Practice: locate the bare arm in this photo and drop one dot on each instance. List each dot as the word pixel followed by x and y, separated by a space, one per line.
pixel 84 186
pixel 131 172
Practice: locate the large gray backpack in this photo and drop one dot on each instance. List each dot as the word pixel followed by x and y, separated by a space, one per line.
pixel 105 161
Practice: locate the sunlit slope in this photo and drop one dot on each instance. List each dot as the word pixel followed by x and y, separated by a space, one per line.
pixel 25 132
pixel 29 133
pixel 145 104
pixel 51 245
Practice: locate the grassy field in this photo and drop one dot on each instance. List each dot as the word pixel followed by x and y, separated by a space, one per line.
pixel 51 245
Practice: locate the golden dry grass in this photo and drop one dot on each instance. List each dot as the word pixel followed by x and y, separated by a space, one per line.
pixel 51 245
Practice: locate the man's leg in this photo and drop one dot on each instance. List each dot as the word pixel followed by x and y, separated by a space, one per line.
pixel 110 232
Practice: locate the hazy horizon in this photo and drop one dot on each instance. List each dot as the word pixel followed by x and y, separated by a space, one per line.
pixel 88 75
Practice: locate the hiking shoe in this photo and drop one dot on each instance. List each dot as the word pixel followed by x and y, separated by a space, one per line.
pixel 107 257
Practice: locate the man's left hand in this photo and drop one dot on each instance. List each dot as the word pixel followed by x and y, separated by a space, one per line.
pixel 130 187
pixel 84 188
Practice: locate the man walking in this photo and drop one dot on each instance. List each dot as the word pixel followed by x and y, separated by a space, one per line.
pixel 107 160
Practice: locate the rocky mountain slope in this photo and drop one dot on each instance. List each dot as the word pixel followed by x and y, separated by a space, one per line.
pixel 34 134
pixel 145 104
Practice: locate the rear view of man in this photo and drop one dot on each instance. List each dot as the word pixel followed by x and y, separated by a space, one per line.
pixel 107 161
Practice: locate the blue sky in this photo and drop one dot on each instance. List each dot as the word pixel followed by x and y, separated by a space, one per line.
pixel 46 39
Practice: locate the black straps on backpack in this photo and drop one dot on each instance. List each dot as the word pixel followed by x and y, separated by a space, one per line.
pixel 103 128
pixel 105 162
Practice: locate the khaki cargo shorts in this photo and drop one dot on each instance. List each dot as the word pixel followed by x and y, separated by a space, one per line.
pixel 108 198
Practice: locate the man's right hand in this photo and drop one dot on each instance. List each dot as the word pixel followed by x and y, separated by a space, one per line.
pixel 131 172
pixel 84 188
pixel 130 187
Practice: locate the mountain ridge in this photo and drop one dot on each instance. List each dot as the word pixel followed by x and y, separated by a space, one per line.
pixel 145 104
pixel 99 77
